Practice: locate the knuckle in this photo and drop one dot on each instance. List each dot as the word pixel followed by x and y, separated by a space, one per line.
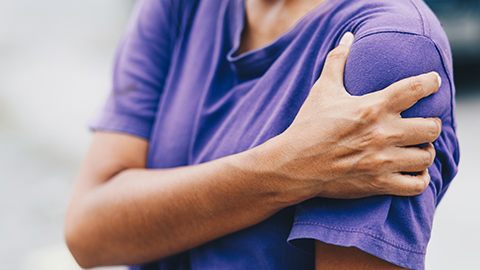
pixel 438 130
pixel 378 183
pixel 376 106
pixel 417 87
pixel 375 163
pixel 434 130
pixel 418 187
pixel 377 137
pixel 432 134
pixel 424 160
pixel 383 161
pixel 427 160
pixel 440 125
pixel 365 164
pixel 338 53
pixel 369 112
pixel 386 102
pixel 384 135
pixel 380 136
pixel 417 184
pixel 433 155
pixel 368 140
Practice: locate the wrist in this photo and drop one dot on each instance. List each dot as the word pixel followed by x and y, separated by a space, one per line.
pixel 265 166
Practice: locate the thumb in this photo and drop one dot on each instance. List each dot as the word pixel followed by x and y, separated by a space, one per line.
pixel 333 69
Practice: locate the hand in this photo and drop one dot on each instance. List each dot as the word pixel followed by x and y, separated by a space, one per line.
pixel 343 146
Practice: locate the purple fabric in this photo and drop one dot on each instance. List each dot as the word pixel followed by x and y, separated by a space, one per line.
pixel 179 83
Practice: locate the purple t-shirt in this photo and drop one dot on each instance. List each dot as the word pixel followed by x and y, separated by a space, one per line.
pixel 179 83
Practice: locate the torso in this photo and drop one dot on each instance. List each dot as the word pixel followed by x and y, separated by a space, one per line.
pixel 219 100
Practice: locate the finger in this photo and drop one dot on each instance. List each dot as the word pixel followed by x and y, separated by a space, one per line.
pixel 412 159
pixel 335 62
pixel 405 93
pixel 408 185
pixel 415 131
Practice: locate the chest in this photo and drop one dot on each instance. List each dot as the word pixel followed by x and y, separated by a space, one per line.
pixel 216 103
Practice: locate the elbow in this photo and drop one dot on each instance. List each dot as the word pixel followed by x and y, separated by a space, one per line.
pixel 79 248
pixel 81 243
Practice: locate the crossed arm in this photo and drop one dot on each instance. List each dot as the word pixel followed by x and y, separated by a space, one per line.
pixel 122 213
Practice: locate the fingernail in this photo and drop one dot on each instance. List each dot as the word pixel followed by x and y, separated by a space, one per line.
pixel 347 39
pixel 439 79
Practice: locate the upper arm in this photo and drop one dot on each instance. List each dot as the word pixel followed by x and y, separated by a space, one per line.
pixel 393 228
pixel 331 257
pixel 141 67
pixel 124 124
pixel 380 59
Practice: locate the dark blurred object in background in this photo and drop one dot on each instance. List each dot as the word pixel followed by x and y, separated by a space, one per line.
pixel 461 21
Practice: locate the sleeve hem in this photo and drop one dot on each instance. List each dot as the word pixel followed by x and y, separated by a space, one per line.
pixel 114 122
pixel 303 233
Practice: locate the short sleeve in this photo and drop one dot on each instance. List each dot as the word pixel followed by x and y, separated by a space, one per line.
pixel 141 66
pixel 396 229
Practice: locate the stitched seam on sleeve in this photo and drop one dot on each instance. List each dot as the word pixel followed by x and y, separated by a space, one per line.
pixel 366 232
pixel 118 122
pixel 420 17
pixel 387 32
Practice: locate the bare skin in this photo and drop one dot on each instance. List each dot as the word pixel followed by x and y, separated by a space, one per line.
pixel 357 149
pixel 330 257
pixel 266 20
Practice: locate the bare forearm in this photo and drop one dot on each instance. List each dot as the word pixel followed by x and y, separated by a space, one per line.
pixel 338 146
pixel 142 215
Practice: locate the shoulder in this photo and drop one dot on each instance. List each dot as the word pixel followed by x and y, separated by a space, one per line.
pixel 367 17
pixel 169 14
pixel 381 59
pixel 396 40
pixel 370 16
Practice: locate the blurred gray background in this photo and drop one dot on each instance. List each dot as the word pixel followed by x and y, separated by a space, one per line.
pixel 55 68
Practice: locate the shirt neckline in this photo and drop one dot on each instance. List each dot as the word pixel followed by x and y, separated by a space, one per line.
pixel 255 62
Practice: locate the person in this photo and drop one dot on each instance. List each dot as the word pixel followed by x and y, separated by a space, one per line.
pixel 218 148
